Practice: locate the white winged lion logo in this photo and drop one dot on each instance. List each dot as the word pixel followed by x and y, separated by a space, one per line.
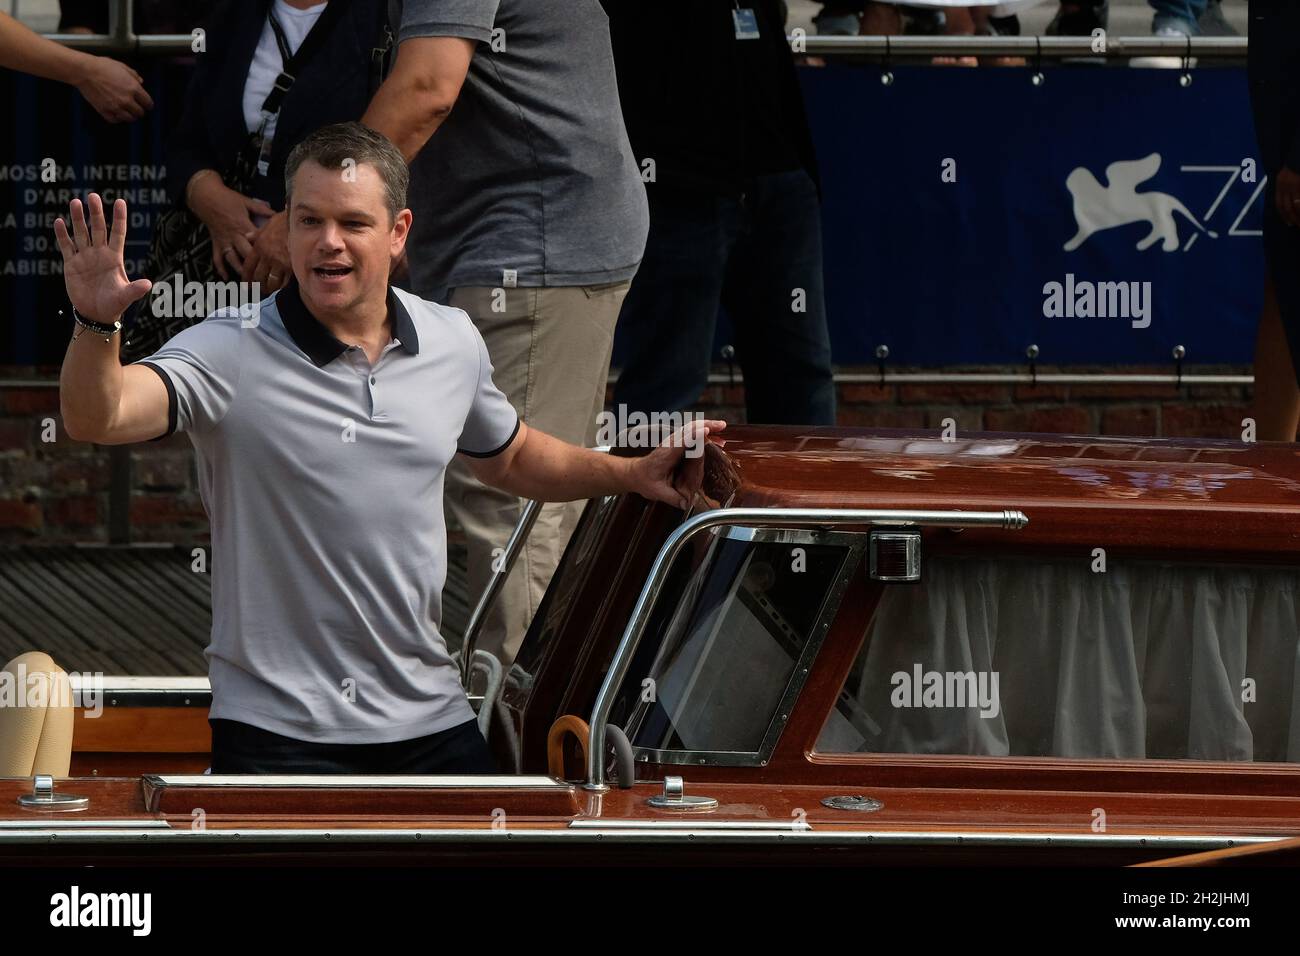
pixel 1118 203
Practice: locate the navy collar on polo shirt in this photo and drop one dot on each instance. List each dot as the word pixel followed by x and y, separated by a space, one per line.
pixel 318 342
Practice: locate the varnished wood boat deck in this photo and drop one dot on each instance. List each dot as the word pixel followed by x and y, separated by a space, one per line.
pixel 536 822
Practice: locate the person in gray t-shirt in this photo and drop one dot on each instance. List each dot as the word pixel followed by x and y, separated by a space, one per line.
pixel 531 215
pixel 323 420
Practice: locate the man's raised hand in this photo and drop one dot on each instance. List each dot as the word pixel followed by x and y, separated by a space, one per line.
pixel 93 268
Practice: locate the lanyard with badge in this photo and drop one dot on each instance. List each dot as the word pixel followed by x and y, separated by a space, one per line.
pixel 272 105
pixel 746 20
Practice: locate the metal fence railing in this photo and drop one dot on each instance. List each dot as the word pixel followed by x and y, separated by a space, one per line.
pixel 927 377
pixel 1030 47
pixel 122 39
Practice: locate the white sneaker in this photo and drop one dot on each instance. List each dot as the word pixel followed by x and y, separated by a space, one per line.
pixel 1164 62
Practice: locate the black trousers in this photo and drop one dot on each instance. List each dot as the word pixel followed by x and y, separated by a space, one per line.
pixel 242 748
pixel 746 254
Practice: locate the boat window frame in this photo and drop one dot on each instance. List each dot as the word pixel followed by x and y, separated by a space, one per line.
pixel 832 597
pixel 867 519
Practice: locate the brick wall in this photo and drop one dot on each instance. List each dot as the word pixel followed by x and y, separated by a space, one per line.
pixel 1198 411
pixel 58 491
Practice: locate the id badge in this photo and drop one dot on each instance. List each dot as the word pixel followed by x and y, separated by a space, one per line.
pixel 746 24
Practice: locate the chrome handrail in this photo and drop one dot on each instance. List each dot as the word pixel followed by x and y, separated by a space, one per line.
pixel 750 517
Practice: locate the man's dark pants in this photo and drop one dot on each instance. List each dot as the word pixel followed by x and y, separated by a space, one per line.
pixel 242 748
pixel 759 256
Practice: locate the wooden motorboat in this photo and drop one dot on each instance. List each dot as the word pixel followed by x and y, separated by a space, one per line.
pixel 860 645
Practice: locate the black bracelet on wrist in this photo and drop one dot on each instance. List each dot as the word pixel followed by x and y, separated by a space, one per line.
pixel 97 327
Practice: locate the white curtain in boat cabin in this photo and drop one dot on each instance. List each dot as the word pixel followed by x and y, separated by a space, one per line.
pixel 1142 660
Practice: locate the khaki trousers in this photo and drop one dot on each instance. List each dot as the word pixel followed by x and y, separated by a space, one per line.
pixel 550 351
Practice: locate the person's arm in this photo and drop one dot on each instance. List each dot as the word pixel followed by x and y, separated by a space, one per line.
pixel 107 403
pixel 114 89
pixel 101 401
pixel 420 91
pixel 538 466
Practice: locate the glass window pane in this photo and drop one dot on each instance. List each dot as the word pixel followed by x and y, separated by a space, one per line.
pixel 712 669
pixel 1062 659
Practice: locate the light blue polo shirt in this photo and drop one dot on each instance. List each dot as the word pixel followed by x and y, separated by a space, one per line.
pixel 322 478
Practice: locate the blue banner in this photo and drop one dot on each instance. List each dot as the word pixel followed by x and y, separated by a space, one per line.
pixel 1106 215
pixel 56 147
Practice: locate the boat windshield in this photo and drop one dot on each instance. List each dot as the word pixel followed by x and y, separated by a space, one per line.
pixel 730 642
